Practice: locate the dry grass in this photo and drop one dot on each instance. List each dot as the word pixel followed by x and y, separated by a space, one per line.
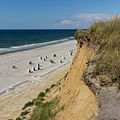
pixel 106 35
pixel 45 111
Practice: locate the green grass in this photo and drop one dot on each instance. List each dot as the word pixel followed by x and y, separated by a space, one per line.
pixel 105 35
pixel 53 85
pixel 45 111
pixel 18 118
pixel 47 90
pixel 28 104
pixel 42 94
pixel 24 112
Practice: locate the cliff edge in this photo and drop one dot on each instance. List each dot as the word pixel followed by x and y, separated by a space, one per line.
pixel 78 101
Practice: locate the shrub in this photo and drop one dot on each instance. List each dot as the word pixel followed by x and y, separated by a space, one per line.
pixel 42 94
pixel 47 90
pixel 44 111
pixel 53 85
pixel 79 34
pixel 24 113
pixel 28 104
pixel 18 118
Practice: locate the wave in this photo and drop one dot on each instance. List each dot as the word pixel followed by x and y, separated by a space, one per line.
pixel 31 46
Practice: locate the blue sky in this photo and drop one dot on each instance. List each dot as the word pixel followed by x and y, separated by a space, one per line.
pixel 52 14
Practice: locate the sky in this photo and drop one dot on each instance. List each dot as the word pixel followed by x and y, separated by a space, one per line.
pixel 55 14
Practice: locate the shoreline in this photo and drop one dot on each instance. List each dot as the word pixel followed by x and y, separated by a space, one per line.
pixel 11 84
pixel 15 49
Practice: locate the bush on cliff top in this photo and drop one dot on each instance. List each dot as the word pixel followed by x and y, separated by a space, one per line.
pixel 106 35
pixel 79 34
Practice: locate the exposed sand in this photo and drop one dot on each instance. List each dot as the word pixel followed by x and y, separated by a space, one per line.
pixel 78 101
pixel 10 78
pixel 12 102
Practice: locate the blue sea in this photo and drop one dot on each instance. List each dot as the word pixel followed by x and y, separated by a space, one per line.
pixel 19 40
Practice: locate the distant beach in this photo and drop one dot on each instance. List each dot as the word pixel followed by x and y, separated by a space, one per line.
pixel 15 67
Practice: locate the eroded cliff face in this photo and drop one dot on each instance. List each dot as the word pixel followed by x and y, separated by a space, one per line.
pixel 78 101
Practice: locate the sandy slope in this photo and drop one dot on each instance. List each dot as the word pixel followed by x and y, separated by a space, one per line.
pixel 78 101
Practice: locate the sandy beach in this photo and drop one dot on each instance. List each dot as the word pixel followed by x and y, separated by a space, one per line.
pixel 17 86
pixel 11 79
pixel 11 104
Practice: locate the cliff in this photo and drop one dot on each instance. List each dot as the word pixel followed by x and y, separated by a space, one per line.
pixel 70 98
pixel 102 75
pixel 79 101
pixel 91 88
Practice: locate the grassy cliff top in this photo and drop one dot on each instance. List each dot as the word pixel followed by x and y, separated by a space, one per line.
pixel 106 36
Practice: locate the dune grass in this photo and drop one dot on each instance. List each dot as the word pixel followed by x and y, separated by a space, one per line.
pixel 105 35
pixel 45 110
pixel 28 104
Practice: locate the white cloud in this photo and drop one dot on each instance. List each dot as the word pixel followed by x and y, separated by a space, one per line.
pixel 66 22
pixel 83 20
pixel 92 16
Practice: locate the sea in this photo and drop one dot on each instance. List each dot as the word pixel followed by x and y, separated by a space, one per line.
pixel 20 40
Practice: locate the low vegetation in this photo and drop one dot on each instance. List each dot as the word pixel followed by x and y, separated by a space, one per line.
pixel 47 90
pixel 45 111
pixel 24 113
pixel 53 85
pixel 106 36
pixel 79 34
pixel 42 94
pixel 18 118
pixel 65 77
pixel 28 104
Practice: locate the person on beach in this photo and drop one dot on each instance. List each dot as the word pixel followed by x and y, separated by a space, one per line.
pixel 44 59
pixel 38 65
pixel 30 62
pixel 39 68
pixel 29 71
pixel 33 68
pixel 41 58
pixel 54 55
pixel 51 61
pixel 60 61
pixel 64 58
pixel 14 67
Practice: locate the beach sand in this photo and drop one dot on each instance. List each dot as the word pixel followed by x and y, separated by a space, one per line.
pixel 19 86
